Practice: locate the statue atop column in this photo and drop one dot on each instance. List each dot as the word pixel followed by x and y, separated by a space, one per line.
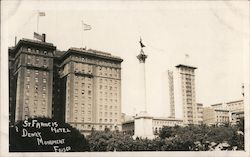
pixel 142 57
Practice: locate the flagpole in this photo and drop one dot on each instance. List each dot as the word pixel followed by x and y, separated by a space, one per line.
pixel 82 33
pixel 37 21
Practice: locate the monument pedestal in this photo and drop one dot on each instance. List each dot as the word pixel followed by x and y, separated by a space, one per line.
pixel 143 126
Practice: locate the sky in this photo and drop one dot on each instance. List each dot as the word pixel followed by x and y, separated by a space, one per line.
pixel 214 35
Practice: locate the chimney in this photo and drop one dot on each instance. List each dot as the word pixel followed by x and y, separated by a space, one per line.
pixel 44 37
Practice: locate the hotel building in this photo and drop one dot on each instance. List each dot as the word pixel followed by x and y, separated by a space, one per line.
pixel 81 87
pixel 31 79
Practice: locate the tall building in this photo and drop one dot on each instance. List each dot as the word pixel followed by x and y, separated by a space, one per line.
pixel 81 87
pixel 92 81
pixel 31 79
pixel 181 94
pixel 171 93
pixel 200 113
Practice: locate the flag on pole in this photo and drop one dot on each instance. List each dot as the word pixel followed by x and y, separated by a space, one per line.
pixel 86 27
pixel 186 56
pixel 38 36
pixel 41 13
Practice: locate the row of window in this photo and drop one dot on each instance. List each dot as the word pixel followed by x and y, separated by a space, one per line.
pixel 106 120
pixel 37 51
pixel 106 113
pixel 36 60
pixel 44 80
pixel 100 62
pixel 37 72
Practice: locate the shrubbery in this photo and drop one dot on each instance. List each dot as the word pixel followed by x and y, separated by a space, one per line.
pixel 189 138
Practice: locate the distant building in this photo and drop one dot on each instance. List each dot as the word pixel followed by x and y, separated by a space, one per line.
pixel 218 106
pixel 235 108
pixel 126 118
pixel 235 105
pixel 213 116
pixel 182 94
pixel 158 123
pixel 200 113
pixel 81 87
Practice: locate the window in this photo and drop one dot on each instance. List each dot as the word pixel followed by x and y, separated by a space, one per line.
pixel 37 51
pixel 29 49
pixel 36 79
pixel 36 72
pixel 37 60
pixel 45 52
pixel 44 80
pixel 28 78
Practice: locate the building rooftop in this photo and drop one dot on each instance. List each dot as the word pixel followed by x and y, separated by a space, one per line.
pixel 236 101
pixel 220 104
pixel 167 118
pixel 221 110
pixel 185 66
pixel 91 52
pixel 199 104
pixel 31 42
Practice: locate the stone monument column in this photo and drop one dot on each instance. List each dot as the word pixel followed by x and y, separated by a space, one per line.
pixel 143 122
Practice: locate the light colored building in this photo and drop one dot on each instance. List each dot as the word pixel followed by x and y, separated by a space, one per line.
pixel 157 124
pixel 213 116
pixel 93 89
pixel 126 118
pixel 218 106
pixel 171 93
pixel 235 105
pixel 182 94
pixel 235 108
pixel 200 113
pixel 33 79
